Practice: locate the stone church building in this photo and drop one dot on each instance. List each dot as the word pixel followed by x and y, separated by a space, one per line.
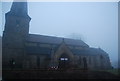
pixel 21 50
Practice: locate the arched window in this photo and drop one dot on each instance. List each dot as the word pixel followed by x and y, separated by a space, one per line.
pixel 89 60
pixel 63 61
pixel 17 23
pixel 79 59
pixel 85 62
pixel 12 63
pixel 38 61
pixel 101 57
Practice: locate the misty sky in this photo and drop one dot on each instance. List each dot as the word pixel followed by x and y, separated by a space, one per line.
pixel 95 22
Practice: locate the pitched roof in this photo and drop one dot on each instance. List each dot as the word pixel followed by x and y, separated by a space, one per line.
pixel 89 51
pixel 38 50
pixel 55 40
pixel 58 41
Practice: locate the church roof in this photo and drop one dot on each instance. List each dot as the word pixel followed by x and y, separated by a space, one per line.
pixel 58 41
pixel 38 50
pixel 48 51
pixel 55 40
pixel 89 51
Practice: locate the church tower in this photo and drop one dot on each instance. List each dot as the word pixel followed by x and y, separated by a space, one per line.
pixel 15 34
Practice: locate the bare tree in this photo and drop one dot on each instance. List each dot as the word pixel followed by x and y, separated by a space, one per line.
pixel 76 36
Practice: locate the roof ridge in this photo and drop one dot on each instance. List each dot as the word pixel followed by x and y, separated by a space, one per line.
pixel 56 40
pixel 55 37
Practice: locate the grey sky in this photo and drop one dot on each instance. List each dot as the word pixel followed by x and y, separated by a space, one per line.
pixel 96 22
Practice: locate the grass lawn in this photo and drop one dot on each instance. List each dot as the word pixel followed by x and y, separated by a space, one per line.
pixel 113 71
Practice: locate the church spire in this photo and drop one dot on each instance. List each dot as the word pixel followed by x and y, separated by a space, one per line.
pixel 19 8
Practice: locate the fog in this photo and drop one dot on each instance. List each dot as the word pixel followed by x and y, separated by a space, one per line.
pixel 96 23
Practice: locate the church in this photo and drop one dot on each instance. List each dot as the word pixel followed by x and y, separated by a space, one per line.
pixel 21 50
